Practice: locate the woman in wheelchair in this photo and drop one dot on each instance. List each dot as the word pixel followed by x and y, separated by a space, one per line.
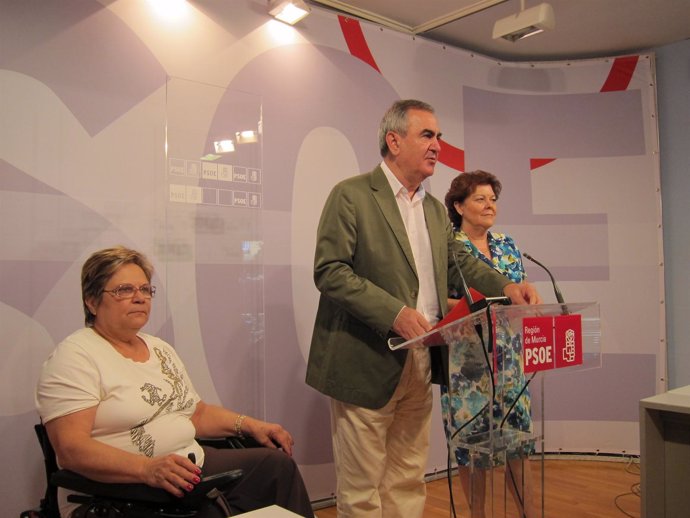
pixel 118 404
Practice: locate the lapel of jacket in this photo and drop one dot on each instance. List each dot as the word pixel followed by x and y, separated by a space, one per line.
pixel 437 238
pixel 385 198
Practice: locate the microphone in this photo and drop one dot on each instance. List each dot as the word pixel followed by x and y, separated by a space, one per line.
pixel 471 304
pixel 556 290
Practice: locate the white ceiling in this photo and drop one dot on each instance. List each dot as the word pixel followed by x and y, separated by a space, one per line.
pixel 584 28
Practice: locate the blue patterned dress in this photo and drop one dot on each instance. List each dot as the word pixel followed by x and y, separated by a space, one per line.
pixel 470 388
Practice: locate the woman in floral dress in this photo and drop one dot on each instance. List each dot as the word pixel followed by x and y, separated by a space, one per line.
pixel 472 208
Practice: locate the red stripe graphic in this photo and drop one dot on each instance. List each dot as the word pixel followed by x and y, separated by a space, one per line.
pixel 536 163
pixel 452 156
pixel 620 74
pixel 354 37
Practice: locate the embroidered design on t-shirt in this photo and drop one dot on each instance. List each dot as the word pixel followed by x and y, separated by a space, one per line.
pixel 177 400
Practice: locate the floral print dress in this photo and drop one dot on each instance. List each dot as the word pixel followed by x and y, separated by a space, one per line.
pixel 464 405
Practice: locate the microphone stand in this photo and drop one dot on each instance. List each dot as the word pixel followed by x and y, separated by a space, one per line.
pixel 556 289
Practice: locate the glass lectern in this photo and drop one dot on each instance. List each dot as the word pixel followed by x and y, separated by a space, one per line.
pixel 497 356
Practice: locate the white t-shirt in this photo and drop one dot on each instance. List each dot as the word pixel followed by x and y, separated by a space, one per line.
pixel 143 407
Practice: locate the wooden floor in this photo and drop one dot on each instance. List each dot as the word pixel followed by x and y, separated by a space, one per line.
pixel 573 488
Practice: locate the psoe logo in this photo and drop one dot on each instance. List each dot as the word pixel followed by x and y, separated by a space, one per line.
pixel 569 349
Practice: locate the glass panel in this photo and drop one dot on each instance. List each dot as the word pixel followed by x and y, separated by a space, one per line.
pixel 213 240
pixel 489 422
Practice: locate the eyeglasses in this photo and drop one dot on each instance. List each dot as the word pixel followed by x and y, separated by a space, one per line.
pixel 127 291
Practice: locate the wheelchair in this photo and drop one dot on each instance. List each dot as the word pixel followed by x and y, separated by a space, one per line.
pixel 110 500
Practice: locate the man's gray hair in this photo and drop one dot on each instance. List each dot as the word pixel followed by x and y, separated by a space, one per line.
pixel 395 119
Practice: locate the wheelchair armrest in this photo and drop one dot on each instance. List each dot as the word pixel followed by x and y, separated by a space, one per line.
pixel 142 492
pixel 212 482
pixel 117 491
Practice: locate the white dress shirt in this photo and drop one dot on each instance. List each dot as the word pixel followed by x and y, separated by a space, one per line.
pixel 412 213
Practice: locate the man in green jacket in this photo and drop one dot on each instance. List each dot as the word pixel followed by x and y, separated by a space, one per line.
pixel 384 258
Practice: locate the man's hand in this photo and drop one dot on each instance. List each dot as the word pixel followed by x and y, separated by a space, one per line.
pixel 410 324
pixel 523 293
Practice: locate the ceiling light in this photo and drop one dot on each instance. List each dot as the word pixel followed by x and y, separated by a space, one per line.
pixel 224 146
pixel 527 22
pixel 246 137
pixel 288 11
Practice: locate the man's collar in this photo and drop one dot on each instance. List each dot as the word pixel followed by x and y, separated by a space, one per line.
pixel 396 185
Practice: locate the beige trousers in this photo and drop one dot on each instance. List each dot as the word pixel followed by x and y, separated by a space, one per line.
pixel 381 455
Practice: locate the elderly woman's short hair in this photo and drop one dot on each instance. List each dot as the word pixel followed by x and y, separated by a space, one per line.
pixel 100 267
pixel 465 184
pixel 395 119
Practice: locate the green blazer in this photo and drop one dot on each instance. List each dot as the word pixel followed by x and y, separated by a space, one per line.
pixel 365 271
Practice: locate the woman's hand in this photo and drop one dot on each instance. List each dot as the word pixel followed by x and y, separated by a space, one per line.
pixel 70 436
pixel 271 435
pixel 172 472
pixel 216 421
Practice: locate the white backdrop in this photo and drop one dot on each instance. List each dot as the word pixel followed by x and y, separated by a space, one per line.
pixel 106 111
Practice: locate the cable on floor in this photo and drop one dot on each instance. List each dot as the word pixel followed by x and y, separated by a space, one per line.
pixel 634 489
